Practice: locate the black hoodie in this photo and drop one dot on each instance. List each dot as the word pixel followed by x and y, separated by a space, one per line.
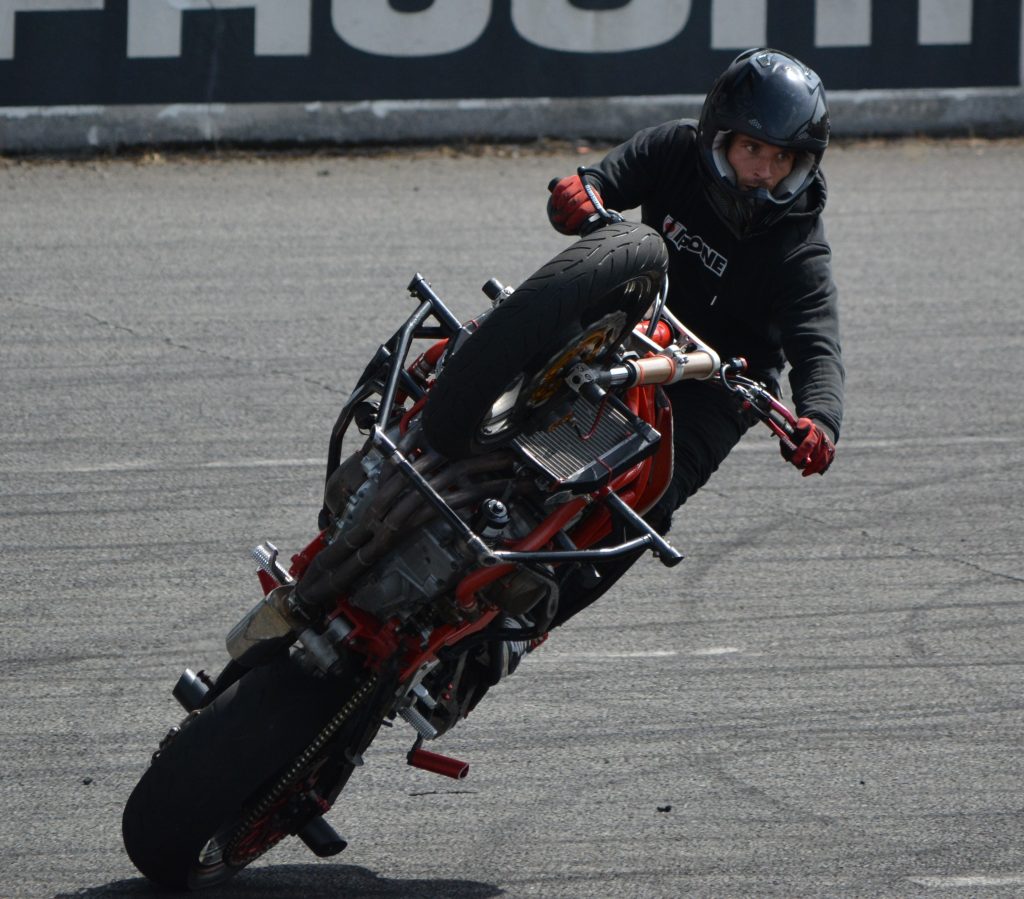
pixel 768 297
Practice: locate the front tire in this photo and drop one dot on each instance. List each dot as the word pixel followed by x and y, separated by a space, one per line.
pixel 187 809
pixel 580 306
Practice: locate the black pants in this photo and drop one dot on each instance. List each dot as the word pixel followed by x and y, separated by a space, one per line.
pixel 707 424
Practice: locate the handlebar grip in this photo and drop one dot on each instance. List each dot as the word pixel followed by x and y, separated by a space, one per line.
pixel 783 430
pixel 782 423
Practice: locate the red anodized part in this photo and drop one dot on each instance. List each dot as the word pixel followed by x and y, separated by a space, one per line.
pixel 438 764
pixel 301 560
pixel 375 640
pixel 267 581
pixel 662 332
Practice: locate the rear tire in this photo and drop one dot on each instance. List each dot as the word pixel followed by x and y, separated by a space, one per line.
pixel 582 304
pixel 201 786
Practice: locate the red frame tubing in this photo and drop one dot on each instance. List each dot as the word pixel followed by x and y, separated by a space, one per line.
pixel 660 472
pixel 642 484
pixel 379 641
pixel 403 425
pixel 375 640
pixel 302 559
pixel 422 366
pixel 465 593
pixel 467 589
pixel 440 638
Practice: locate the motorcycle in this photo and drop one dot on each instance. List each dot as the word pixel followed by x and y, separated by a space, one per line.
pixel 495 472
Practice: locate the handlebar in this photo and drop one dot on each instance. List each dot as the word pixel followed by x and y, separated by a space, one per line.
pixel 602 216
pixel 694 360
pixel 697 361
pixel 759 400
pixel 668 368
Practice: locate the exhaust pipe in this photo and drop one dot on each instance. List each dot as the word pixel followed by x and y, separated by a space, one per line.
pixel 322 839
pixel 190 690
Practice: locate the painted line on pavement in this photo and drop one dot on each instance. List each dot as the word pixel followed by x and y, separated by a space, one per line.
pixel 970 880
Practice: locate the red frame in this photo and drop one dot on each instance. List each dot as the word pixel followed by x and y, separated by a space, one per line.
pixel 639 487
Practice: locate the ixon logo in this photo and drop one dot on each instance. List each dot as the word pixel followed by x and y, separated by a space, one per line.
pixel 682 239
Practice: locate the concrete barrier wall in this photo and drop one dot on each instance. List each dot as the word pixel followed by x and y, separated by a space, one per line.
pixel 76 74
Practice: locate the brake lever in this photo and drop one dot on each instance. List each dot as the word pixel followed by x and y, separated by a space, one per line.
pixel 776 415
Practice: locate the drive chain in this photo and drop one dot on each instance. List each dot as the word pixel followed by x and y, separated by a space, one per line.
pixel 296 770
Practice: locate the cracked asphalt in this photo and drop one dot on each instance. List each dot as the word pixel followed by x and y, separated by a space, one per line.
pixel 824 699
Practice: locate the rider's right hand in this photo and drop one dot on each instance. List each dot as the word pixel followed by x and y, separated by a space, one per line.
pixel 814 450
pixel 569 206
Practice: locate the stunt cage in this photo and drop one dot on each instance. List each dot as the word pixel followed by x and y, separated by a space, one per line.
pixel 663 352
pixel 502 465
pixel 624 439
pixel 584 430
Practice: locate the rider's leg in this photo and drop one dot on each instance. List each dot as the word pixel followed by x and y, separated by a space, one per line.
pixel 706 426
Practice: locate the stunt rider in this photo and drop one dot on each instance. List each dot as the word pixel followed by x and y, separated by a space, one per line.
pixel 738 197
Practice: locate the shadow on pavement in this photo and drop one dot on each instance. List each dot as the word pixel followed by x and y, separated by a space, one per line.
pixel 303 881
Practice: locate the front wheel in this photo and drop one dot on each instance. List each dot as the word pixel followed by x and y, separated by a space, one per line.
pixel 231 783
pixel 577 308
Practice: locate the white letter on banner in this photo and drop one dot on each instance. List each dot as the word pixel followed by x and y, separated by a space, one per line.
pixel 557 25
pixel 282 26
pixel 739 24
pixel 842 23
pixel 9 7
pixel 944 21
pixel 446 26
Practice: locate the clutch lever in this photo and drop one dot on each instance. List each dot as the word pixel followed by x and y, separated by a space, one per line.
pixel 602 216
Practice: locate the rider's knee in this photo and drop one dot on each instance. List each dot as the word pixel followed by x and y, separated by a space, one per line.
pixel 659 516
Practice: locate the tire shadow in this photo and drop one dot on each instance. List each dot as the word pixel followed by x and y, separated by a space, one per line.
pixel 302 882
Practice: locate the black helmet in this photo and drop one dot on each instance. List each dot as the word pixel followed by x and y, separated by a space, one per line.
pixel 775 98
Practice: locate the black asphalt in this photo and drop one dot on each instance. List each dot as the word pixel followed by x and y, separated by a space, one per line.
pixel 824 699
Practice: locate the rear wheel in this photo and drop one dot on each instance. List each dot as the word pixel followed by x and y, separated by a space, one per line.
pixel 577 308
pixel 241 774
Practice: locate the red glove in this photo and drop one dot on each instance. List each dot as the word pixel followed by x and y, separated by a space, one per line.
pixel 814 450
pixel 569 206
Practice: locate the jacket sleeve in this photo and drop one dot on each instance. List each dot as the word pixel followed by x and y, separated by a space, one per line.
pixel 807 315
pixel 634 171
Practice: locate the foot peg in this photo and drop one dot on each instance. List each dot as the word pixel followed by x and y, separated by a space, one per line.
pixel 265 555
pixel 438 764
pixel 322 839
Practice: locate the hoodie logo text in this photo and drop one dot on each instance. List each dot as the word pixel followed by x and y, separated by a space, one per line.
pixel 682 239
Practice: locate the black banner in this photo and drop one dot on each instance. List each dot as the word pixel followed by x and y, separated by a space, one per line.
pixel 109 52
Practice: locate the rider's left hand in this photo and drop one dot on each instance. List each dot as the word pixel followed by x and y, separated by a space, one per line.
pixel 814 448
pixel 569 206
